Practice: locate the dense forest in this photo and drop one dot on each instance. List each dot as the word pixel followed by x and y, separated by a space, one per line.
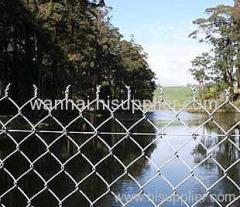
pixel 53 43
pixel 218 68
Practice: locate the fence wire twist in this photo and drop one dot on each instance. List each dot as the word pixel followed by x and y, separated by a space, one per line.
pixel 96 134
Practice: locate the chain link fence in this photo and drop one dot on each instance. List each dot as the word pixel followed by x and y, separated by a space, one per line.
pixel 49 158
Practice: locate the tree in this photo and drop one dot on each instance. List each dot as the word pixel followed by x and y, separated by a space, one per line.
pixel 54 43
pixel 27 55
pixel 221 31
pixel 200 69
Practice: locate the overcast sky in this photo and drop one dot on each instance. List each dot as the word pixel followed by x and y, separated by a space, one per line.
pixel 162 28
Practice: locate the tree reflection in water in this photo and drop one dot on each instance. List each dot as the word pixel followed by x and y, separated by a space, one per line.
pixel 226 154
pixel 94 150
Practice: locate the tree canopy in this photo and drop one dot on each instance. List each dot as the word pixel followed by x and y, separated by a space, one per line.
pixel 53 43
pixel 220 66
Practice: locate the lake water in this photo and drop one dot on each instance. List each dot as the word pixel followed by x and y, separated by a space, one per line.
pixel 159 157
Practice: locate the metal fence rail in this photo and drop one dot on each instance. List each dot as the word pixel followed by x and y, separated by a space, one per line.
pixel 11 176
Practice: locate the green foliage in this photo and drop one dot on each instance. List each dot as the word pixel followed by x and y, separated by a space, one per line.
pixel 52 43
pixel 221 65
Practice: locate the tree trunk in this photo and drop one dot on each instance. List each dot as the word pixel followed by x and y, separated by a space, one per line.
pixel 237 3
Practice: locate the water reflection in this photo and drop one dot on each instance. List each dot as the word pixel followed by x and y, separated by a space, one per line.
pixel 226 153
pixel 127 150
pixel 79 163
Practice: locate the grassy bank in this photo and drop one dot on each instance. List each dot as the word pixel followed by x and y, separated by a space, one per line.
pixel 176 95
pixel 179 96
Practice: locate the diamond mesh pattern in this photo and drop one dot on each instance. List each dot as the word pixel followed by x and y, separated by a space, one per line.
pixel 34 146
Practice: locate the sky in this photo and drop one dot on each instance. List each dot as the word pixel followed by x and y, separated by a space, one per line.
pixel 162 28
